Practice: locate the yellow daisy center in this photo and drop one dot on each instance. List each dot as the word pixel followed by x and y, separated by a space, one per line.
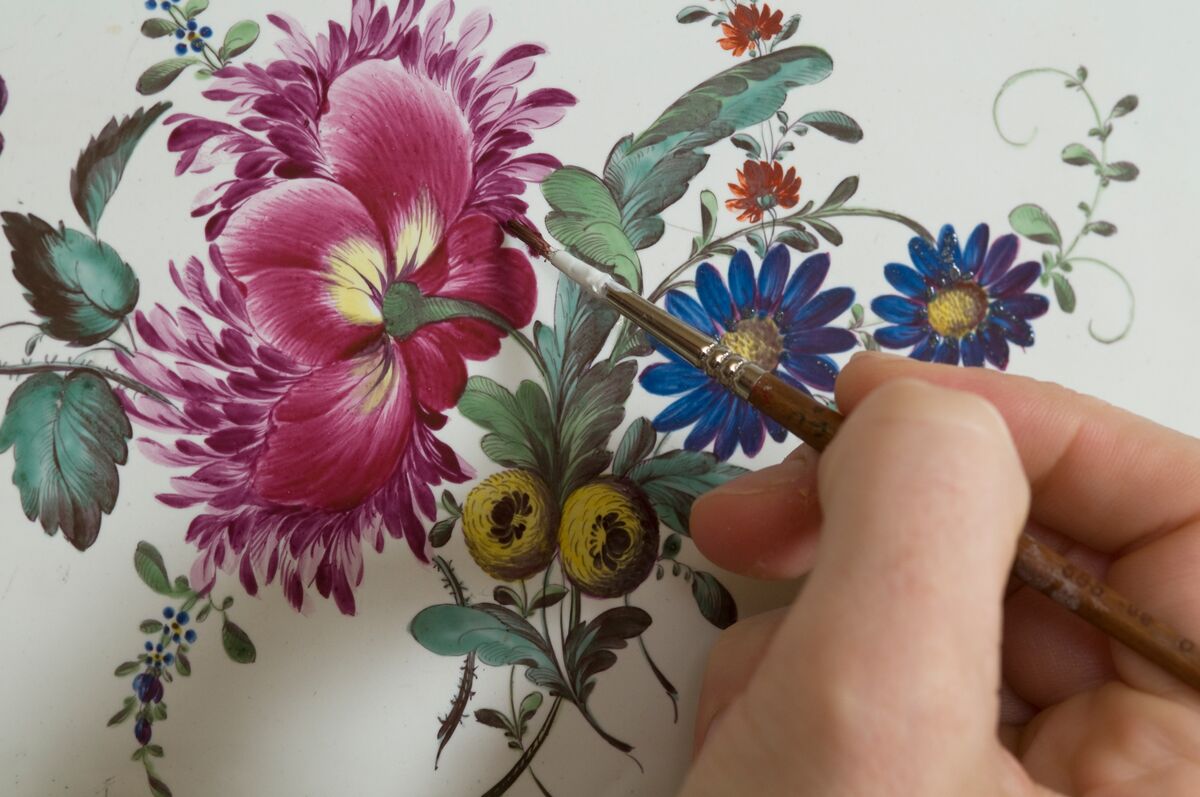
pixel 756 339
pixel 958 310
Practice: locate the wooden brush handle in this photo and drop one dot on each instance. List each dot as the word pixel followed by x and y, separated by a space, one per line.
pixel 1038 565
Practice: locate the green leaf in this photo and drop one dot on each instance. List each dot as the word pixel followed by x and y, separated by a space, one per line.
pixel 595 408
pixel 1121 171
pixel 148 563
pixel 1102 228
pixel 800 239
pixel 856 315
pixel 194 8
pixel 159 710
pixel 225 604
pixel 68 436
pixel 150 626
pixel 519 425
pixel 1035 224
pixel 127 708
pixel 237 643
pixel 713 600
pixel 636 445
pixel 154 750
pixel 649 172
pixel 1126 105
pixel 834 124
pixel 102 163
pixel 507 596
pixel 826 231
pixel 80 287
pixel 581 327
pixel 202 615
pixel 239 39
pixel 547 597
pixel 203 73
pixel 126 668
pixel 499 637
pixel 586 220
pixel 439 535
pixel 708 215
pixel 747 143
pixel 450 504
pixel 841 194
pixel 157 27
pixel 589 647
pixel 157 787
pixel 529 707
pixel 1081 73
pixel 182 665
pixel 671 546
pixel 757 244
pixel 692 14
pixel 494 719
pixel 163 74
pixel 1079 155
pixel 1063 292
pixel 789 30
pixel 673 480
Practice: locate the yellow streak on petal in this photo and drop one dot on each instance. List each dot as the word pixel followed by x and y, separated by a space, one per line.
pixel 419 233
pixel 377 381
pixel 355 266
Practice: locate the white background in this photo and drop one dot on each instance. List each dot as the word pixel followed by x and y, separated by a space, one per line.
pixel 340 705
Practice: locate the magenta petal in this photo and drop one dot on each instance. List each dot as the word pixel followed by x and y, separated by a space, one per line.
pixel 311 260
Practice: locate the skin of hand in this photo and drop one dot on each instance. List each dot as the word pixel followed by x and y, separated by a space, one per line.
pixel 911 663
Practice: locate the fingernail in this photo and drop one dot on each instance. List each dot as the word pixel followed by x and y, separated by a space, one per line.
pixel 791 474
pixel 875 356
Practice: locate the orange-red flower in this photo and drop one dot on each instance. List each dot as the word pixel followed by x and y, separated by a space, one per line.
pixel 749 26
pixel 763 185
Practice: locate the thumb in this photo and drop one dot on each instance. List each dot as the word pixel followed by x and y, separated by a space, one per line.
pixel 883 677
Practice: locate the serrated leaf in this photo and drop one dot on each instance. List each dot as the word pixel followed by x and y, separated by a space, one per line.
pixel 126 668
pixel 672 545
pixel 713 600
pixel 102 163
pixel 841 194
pixel 439 535
pixel 1121 171
pixel 586 220
pixel 237 643
pixel 672 481
pixel 150 626
pixel 692 14
pixel 799 238
pixel 163 74
pixel 239 39
pixel 747 143
pixel 1035 224
pixel 834 124
pixel 1126 105
pixel 636 444
pixel 1063 292
pixel 194 8
pixel 1079 155
pixel 127 708
pixel 157 27
pixel 148 563
pixel 68 436
pixel 79 286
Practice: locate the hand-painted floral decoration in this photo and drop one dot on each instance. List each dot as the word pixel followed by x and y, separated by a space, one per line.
pixel 763 186
pixel 359 264
pixel 3 102
pixel 749 27
pixel 961 305
pixel 776 322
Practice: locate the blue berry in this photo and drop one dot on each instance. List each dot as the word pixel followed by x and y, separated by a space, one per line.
pixel 170 657
pixel 168 612
pixel 151 5
pixel 158 648
pixel 206 32
pixel 181 49
pixel 190 636
pixel 179 34
pixel 175 638
pixel 165 4
pixel 183 618
pixel 149 645
pixel 193 24
pixel 198 45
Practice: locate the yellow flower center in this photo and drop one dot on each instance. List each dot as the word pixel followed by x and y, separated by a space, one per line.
pixel 957 310
pixel 756 339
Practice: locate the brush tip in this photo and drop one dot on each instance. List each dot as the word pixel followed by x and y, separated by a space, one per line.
pixel 528 236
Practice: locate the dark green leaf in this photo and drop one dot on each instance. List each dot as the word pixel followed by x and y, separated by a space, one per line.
pixel 439 535
pixel 126 668
pixel 783 117
pixel 194 8
pixel 239 39
pixel 636 445
pixel 757 244
pixel 1035 224
pixel 841 194
pixel 102 163
pixel 658 572
pixel 676 569
pixel 581 327
pixel 79 286
pixel 127 708
pixel 163 74
pixel 138 754
pixel 157 27
pixel 1079 155
pixel 529 706
pixel 493 719
pixel 747 143
pixel 519 430
pixel 150 626
pixel 1063 292
pixel 799 238
pixel 450 504
pixel 1126 105
pixel 1081 73
pixel 1102 228
pixel 225 604
pixel 714 601
pixel 789 30
pixel 32 343
pixel 237 644
pixel 673 480
pixel 148 563
pixel 672 546
pixel 595 408
pixel 708 215
pixel 157 787
pixel 159 710
pixel 586 220
pixel 826 231
pixel 68 436
pixel 834 124
pixel 182 665
pixel 692 14
pixel 154 750
pixel 589 648
pixel 190 603
pixel 1121 171
pixel 547 597
pixel 506 596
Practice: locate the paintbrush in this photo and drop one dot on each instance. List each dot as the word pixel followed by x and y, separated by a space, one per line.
pixel 1038 565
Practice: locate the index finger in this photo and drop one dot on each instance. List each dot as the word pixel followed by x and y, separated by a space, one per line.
pixel 1099 474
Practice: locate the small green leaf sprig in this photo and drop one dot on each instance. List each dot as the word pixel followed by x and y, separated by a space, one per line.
pixel 192 43
pixel 169 640
pixel 1035 222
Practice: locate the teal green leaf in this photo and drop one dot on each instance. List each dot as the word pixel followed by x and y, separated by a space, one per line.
pixel 79 286
pixel 237 643
pixel 529 707
pixel 102 163
pixel 1063 292
pixel 708 214
pixel 239 39
pixel 595 409
pixel 68 436
pixel 157 27
pixel 713 600
pixel 788 31
pixel 636 445
pixel 1035 224
pixel 163 74
pixel 671 547
pixel 673 480
pixel 585 219
pixel 151 569
pixel 1079 155
pixel 547 597
pixel 747 143
pixel 581 326
pixel 519 426
pixel 194 8
pixel 834 124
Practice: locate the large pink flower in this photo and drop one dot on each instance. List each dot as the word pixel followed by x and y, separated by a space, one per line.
pixel 357 261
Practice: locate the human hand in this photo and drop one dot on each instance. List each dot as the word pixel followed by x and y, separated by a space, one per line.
pixel 887 676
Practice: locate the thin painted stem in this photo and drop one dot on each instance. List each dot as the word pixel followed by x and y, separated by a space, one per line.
pixel 526 758
pixel 1128 292
pixel 65 367
pixel 20 324
pixel 873 213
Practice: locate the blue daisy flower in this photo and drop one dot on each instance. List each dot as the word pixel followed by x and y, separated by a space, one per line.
pixel 776 322
pixel 961 304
